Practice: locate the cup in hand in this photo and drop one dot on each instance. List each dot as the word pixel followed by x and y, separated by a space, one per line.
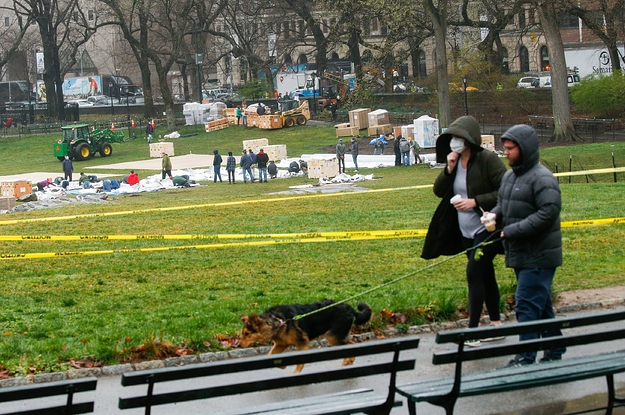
pixel 488 219
pixel 455 199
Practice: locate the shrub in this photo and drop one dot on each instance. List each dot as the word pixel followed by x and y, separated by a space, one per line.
pixel 601 97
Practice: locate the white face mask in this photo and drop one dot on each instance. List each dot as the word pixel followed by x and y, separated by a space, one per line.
pixel 457 145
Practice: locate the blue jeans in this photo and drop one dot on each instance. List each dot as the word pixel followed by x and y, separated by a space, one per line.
pixel 262 171
pixel 248 170
pixel 217 173
pixel 533 302
pixel 405 158
pixel 355 158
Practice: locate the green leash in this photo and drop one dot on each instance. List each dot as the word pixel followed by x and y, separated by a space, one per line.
pixel 478 253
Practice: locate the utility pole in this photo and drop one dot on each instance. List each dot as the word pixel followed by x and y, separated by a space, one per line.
pixel 198 62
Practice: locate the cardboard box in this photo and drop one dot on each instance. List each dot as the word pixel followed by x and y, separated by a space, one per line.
pixel 323 168
pixel 347 131
pixel 342 125
pixel 255 144
pixel 358 118
pixel 16 189
pixel 7 202
pixel 157 149
pixel 275 152
pixel 397 131
pixel 407 131
pixel 488 142
pixel 379 117
pixel 215 125
pixel 380 129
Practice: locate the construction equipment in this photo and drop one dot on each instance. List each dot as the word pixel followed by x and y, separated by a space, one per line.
pixel 79 143
pixel 292 112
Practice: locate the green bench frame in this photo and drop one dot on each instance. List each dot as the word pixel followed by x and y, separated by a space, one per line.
pixel 44 390
pixel 345 402
pixel 445 391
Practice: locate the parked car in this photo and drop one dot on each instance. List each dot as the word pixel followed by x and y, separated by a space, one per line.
pixel 99 100
pixel 82 103
pixel 528 82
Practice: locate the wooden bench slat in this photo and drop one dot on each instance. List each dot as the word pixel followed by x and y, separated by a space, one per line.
pixel 77 408
pixel 268 361
pixel 43 390
pixel 265 385
pixel 454 336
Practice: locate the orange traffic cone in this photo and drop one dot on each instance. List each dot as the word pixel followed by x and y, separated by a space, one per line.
pixel 112 126
pixel 153 123
pixel 132 125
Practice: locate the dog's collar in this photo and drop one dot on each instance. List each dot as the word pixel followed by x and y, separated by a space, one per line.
pixel 282 322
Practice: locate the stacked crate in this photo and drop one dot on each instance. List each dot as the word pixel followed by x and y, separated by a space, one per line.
pixel 231 115
pixel 379 123
pixel 275 152
pixel 376 130
pixel 323 168
pixel 269 122
pixel 216 125
pixel 358 118
pixel 255 144
pixel 16 189
pixel 7 202
pixel 157 149
pixel 345 130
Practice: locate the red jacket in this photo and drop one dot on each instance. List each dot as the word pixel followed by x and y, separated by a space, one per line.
pixel 132 179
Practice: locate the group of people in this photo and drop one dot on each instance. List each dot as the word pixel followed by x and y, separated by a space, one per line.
pixel 341 149
pixel 404 149
pixel 476 188
pixel 248 161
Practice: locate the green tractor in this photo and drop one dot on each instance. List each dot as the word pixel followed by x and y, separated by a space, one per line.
pixel 81 144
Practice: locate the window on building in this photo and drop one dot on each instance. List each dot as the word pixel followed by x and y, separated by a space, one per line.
pixel 522 22
pixel 531 16
pixel 374 24
pixel 366 28
pixel 524 58
pixel 287 32
pixel 597 18
pixel 301 28
pixel 567 21
pixel 76 16
pixel 7 22
pixel 302 58
pixel 505 68
pixel 422 67
pixel 90 15
pixel 384 29
pixel 324 25
pixel 544 59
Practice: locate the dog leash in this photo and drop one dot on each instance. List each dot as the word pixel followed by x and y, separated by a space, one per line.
pixel 477 255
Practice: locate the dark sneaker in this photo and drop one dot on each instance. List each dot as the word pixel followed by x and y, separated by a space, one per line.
pixel 519 361
pixel 548 358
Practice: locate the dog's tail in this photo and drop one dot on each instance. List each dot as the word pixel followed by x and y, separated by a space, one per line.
pixel 364 314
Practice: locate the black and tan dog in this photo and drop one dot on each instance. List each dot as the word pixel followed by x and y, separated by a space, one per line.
pixel 276 323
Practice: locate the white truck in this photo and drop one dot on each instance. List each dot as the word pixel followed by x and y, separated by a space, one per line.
pixel 287 82
pixel 589 61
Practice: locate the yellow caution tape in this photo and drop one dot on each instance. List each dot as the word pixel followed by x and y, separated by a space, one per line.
pixel 592 222
pixel 586 172
pixel 376 234
pixel 210 246
pixel 206 205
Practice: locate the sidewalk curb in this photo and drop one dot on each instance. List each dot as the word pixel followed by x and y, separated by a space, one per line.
pixel 114 370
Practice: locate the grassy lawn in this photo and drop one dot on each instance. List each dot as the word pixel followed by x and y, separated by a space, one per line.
pixel 104 307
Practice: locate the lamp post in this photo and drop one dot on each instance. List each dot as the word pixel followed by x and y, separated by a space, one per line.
pixel 464 88
pixel 111 93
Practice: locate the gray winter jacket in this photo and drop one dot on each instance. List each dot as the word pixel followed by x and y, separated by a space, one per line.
pixel 528 207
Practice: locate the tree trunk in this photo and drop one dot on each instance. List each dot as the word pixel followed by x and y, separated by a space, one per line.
pixel 563 129
pixel 439 20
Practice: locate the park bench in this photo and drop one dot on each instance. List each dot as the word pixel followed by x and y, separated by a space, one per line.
pixel 445 391
pixel 48 390
pixel 342 401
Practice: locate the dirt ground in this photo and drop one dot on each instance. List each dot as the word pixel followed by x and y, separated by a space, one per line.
pixel 591 296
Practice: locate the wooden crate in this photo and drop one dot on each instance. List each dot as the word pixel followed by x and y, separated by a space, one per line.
pixel 275 152
pixel 16 189
pixel 407 131
pixel 347 131
pixel 216 125
pixel 379 117
pixel 269 122
pixel 255 144
pixel 157 149
pixel 358 118
pixel 323 168
pixel 7 202
pixel 380 129
pixel 488 142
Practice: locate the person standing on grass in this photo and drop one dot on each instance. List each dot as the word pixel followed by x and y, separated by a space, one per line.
pixel 166 165
pixel 262 159
pixel 397 151
pixel 474 174
pixel 246 166
pixel 68 168
pixel 528 210
pixel 354 150
pixel 340 154
pixel 217 166
pixel 231 166
pixel 149 130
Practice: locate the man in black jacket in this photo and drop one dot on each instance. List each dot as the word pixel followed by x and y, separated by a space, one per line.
pixel 528 210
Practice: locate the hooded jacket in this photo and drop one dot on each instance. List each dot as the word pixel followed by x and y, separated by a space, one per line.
pixel 484 174
pixel 262 159
pixel 217 160
pixel 529 206
pixel 340 149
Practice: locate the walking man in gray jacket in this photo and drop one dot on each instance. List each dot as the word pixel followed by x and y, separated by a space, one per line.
pixel 528 211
